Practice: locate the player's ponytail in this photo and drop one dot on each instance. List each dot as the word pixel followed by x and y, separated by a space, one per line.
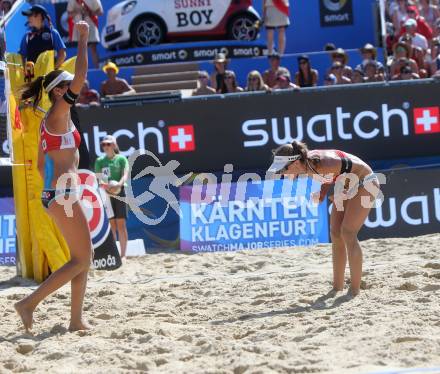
pixel 299 148
pixel 296 148
pixel 34 91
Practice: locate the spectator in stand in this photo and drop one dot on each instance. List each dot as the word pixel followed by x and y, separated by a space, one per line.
pixel 418 40
pixel 218 76
pixel 329 47
pixel 284 81
pixel 402 56
pixel 271 74
pixel 330 80
pixel 398 14
pixel 358 76
pixel 255 82
pixel 372 73
pixel 434 61
pixel 41 37
pixel 418 25
pixel 306 76
pixel 369 53
pixel 276 17
pixel 337 70
pixel 114 85
pixel 429 12
pixel 391 39
pixel 88 11
pixel 405 73
pixel 231 82
pixel 339 55
pixel 203 87
pixel 88 96
pixel 5 6
pixel 416 53
pixel 436 29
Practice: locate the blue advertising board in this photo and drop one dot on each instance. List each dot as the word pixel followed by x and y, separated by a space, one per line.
pixel 250 215
pixel 7 231
pixel 159 225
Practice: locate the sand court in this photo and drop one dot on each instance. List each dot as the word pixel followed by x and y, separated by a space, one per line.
pixel 261 311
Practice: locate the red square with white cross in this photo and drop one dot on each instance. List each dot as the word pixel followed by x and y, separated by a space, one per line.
pixel 427 120
pixel 181 138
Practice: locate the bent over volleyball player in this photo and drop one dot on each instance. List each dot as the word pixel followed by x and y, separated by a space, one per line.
pixel 58 160
pixel 346 218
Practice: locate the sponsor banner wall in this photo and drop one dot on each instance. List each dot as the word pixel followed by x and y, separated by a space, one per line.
pixel 411 205
pixel 250 215
pixel 375 122
pixel 7 231
pixel 151 219
pixel 184 52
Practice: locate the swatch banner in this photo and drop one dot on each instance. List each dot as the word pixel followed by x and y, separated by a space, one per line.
pixel 374 122
pixel 251 215
pixel 7 231
pixel 411 206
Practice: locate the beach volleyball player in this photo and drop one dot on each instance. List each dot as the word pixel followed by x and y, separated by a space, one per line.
pixel 355 191
pixel 58 161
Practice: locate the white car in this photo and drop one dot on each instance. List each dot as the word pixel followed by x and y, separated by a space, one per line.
pixel 142 23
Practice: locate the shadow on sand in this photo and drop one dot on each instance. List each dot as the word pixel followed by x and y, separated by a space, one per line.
pixel 318 304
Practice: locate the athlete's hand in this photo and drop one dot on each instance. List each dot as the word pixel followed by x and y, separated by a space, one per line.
pixel 83 29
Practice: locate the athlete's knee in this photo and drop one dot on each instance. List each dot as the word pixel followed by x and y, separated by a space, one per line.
pixel 348 234
pixel 335 232
pixel 83 262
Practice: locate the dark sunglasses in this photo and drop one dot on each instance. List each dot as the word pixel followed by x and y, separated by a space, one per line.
pixel 106 145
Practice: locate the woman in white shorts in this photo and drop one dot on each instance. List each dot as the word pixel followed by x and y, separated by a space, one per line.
pixel 88 11
pixel 276 16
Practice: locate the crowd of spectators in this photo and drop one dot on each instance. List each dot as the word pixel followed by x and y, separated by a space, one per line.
pixel 412 46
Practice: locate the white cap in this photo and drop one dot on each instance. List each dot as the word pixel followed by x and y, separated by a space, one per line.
pixel 110 139
pixel 280 162
pixel 64 76
pixel 410 22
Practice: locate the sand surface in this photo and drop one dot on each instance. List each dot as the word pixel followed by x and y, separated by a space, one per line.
pixel 262 311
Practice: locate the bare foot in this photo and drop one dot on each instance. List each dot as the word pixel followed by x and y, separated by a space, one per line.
pixel 26 314
pixel 79 326
pixel 353 293
pixel 334 291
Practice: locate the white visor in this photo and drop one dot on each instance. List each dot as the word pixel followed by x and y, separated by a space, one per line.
pixel 280 162
pixel 64 76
